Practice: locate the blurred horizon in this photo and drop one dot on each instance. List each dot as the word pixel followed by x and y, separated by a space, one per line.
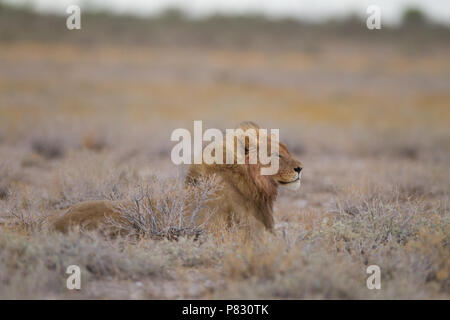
pixel 436 11
pixel 175 27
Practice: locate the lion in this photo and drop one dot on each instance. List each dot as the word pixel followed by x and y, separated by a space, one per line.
pixel 246 197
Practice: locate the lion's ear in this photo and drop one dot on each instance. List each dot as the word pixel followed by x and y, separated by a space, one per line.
pixel 248 125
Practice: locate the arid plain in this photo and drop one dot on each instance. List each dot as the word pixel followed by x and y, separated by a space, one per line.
pixel 369 121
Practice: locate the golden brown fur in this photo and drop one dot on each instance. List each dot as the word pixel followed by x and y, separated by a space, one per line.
pixel 245 197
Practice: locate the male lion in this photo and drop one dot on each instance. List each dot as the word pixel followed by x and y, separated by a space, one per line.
pixel 245 197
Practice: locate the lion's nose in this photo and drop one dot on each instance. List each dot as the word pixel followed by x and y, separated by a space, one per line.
pixel 298 169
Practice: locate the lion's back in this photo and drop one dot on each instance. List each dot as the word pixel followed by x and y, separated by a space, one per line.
pixel 88 215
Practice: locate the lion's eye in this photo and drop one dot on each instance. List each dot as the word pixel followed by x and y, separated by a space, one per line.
pixel 276 154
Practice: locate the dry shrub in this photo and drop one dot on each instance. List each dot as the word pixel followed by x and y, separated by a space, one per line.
pixel 264 259
pixel 188 252
pixel 5 179
pixel 88 176
pixel 22 207
pixel 275 268
pixel 404 237
pixel 409 241
pixel 167 209
pixel 51 140
pixel 9 170
pixel 3 191
pixel 48 147
pixel 430 256
pixel 94 141
pixel 374 217
pixel 25 211
pixel 299 273
pixel 33 267
pixel 419 181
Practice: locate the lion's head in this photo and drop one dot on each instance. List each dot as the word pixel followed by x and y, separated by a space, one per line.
pixel 289 169
pixel 290 172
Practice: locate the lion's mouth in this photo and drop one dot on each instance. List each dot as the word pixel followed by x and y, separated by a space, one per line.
pixel 288 182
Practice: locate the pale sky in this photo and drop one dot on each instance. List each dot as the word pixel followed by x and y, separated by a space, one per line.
pixel 315 10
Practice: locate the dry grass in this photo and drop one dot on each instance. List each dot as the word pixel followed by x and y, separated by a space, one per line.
pixel 376 179
pixel 159 210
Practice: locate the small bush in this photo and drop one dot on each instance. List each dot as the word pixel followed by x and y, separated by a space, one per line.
pixel 37 266
pixel 91 177
pixel 374 218
pixel 50 148
pixel 167 209
pixel 24 212
pixel 8 172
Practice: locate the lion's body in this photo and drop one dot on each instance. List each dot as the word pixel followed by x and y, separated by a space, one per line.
pixel 241 196
pixel 245 198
